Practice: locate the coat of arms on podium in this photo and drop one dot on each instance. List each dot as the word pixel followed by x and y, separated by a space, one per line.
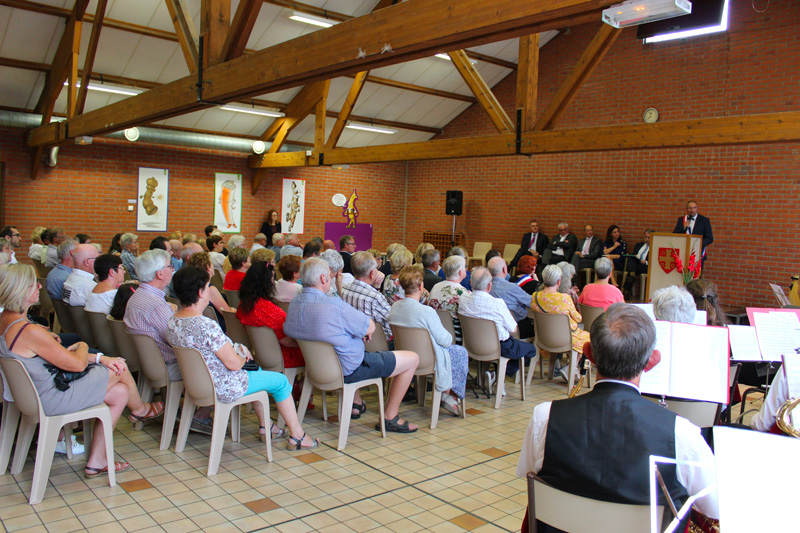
pixel 666 259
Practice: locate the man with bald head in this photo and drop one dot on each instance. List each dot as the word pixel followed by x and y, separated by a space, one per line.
pixel 189 249
pixel 81 281
pixel 328 244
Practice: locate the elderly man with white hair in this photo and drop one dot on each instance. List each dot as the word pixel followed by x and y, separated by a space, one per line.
pixel 336 265
pixel 175 250
pixel 292 246
pixel 674 304
pixel 81 281
pixel 517 300
pixel 259 241
pixel 57 276
pixel 130 246
pixel 363 295
pixel 315 316
pixel 278 242
pixel 446 294
pixel 481 304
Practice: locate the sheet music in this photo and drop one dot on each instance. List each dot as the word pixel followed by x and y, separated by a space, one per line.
pixel 647 308
pixel 656 381
pixel 778 334
pixel 699 363
pixel 744 343
pixel 775 507
pixel 780 295
pixel 701 318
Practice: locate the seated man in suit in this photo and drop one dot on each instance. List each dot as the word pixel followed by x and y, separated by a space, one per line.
pixel 561 246
pixel 533 243
pixel 693 223
pixel 590 248
pixel 430 262
pixel 597 445
pixel 638 266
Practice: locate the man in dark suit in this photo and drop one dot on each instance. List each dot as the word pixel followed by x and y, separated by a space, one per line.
pixel 561 247
pixel 638 266
pixel 533 243
pixel 347 247
pixel 430 262
pixel 613 427
pixel 589 249
pixel 693 223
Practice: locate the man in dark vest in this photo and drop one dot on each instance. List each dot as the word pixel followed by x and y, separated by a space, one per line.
pixel 597 445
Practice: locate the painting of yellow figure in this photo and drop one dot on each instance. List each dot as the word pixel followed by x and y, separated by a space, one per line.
pixel 294 200
pixel 350 211
pixel 152 201
pixel 227 202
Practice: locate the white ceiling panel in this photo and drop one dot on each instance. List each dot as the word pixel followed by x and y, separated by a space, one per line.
pixel 174 69
pixel 114 51
pixel 149 58
pixel 189 120
pixel 15 86
pixel 20 42
pixel 139 12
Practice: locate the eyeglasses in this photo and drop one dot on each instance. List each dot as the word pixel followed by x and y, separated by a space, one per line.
pixel 121 267
pixel 16 234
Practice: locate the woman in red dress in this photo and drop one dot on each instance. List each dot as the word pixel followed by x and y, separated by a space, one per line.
pixel 257 308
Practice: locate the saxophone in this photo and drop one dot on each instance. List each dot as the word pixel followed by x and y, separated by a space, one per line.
pixel 784 418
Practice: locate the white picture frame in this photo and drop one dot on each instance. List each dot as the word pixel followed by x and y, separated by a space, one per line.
pixel 152 200
pixel 293 206
pixel 228 202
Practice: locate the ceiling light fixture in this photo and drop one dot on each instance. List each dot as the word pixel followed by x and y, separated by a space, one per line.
pixel 83 140
pixel 447 57
pixel 312 19
pixel 127 91
pixel 253 111
pixel 132 134
pixel 259 147
pixel 369 127
pixel 722 26
pixel 635 12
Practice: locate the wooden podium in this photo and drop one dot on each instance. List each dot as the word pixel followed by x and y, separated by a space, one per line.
pixel 661 271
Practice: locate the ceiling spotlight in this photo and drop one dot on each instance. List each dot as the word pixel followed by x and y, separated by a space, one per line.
pixel 253 111
pixel 369 127
pixel 312 19
pixel 132 134
pixel 635 12
pixel 83 140
pixel 340 167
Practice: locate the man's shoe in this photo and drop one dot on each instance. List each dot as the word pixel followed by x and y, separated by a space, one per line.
pixel 77 447
pixel 202 426
pixel 561 372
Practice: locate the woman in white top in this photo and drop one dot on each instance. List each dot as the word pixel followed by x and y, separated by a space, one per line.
pixel 288 287
pixel 35 250
pixel 110 274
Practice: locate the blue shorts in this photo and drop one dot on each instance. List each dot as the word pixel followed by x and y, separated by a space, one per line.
pixel 374 365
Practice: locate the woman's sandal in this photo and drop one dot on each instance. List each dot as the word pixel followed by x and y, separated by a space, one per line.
pixel 451 405
pixel 393 426
pixel 118 467
pixel 295 445
pixel 156 409
pixel 281 433
pixel 360 408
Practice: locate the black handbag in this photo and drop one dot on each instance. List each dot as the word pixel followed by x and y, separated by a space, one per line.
pixel 63 378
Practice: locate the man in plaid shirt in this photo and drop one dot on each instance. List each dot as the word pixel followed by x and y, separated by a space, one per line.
pixel 363 295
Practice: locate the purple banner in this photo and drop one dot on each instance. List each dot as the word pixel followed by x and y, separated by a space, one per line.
pixel 362 233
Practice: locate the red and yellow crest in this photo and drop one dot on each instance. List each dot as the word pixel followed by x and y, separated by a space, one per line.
pixel 666 258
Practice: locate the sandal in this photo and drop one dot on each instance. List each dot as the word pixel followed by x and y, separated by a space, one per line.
pixel 156 409
pixel 296 444
pixel 451 405
pixel 360 408
pixel 281 433
pixel 118 467
pixel 392 425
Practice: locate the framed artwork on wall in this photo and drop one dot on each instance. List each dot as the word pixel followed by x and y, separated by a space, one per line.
pixel 153 199
pixel 228 202
pixel 294 205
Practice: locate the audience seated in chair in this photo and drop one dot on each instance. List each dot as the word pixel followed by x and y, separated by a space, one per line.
pixel 391 288
pixel 561 246
pixel 288 286
pixel 57 276
pixel 239 259
pixel 431 264
pixel 517 300
pixel 315 316
pixel 526 278
pixel 56 237
pixel 37 244
pixel 336 265
pixel 601 293
pixel 363 295
pixel 81 280
pixel 129 242
pixel 447 294
pixel 110 275
pixel 203 260
pixel 588 250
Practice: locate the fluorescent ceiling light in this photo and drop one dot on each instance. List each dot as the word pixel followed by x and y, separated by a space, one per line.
pixel 722 26
pixel 312 19
pixel 635 12
pixel 369 127
pixel 447 57
pixel 127 91
pixel 253 111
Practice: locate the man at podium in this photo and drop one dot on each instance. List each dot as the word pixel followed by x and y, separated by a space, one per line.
pixel 693 223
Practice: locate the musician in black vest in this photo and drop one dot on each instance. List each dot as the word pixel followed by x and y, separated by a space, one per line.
pixel 597 445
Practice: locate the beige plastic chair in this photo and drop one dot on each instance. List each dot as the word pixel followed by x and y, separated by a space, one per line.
pixel 482 344
pixel 236 331
pixel 81 323
pixel 208 312
pixel 510 252
pixel 156 376
pixel 554 336
pixel 173 301
pixel 45 304
pixel 8 429
pixel 233 297
pixel 377 343
pixel 419 340
pixel 63 317
pixel 590 314
pixel 200 392
pixel 587 275
pixel 267 353
pixel 26 399
pixel 324 371
pixel 105 338
pixel 126 348
pixel 701 414
pixel 283 305
pixel 447 322
pixel 216 280
pixel 41 270
pixel 479 251
pixel 577 514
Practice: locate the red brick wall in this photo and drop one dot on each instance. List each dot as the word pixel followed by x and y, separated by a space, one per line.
pixel 749 192
pixel 87 191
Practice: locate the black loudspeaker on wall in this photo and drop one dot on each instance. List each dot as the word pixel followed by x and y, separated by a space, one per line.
pixel 454 201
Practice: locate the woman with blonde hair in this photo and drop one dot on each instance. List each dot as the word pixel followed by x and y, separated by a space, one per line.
pixel 107 379
pixel 391 287
pixel 421 249
pixel 35 249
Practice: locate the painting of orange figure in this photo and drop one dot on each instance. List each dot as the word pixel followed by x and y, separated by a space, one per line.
pixel 227 202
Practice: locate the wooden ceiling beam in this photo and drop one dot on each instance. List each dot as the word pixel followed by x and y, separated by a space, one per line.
pixel 319 121
pixel 591 57
pixel 419 89
pixel 311 10
pixel 412 29
pixel 482 91
pixel 347 109
pixel 528 80
pixel 91 53
pixel 298 109
pixel 186 32
pixel 215 23
pixel 720 131
pixel 241 28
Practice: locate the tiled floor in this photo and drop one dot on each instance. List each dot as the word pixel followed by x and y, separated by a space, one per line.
pixel 458 477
